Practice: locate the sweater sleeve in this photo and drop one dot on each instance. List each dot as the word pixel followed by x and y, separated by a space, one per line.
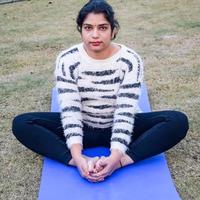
pixel 66 74
pixel 127 102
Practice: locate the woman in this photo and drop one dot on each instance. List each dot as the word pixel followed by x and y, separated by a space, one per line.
pixel 99 84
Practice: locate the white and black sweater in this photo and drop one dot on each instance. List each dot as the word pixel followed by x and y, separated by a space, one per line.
pixel 99 93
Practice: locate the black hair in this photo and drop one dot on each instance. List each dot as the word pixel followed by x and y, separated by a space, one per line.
pixel 97 6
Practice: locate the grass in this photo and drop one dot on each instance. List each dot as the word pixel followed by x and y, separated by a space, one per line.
pixel 164 33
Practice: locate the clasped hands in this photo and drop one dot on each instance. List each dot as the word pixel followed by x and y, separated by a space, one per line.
pixel 98 168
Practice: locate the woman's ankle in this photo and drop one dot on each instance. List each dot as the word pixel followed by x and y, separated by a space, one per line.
pixel 126 160
pixel 71 162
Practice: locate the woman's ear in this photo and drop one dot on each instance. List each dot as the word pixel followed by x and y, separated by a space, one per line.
pixel 114 33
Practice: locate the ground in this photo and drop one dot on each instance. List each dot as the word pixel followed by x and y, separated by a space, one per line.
pixel 164 33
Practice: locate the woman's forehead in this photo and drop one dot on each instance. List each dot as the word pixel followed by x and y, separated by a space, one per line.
pixel 95 19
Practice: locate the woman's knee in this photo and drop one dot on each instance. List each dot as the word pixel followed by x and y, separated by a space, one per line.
pixel 180 121
pixel 19 122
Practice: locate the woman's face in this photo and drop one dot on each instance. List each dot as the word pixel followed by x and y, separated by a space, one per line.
pixel 96 33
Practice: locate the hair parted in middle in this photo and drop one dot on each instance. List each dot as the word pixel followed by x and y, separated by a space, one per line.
pixel 98 6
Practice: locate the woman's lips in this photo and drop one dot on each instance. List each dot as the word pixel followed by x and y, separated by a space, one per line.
pixel 95 43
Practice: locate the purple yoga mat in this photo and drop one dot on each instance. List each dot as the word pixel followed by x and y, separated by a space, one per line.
pixel 147 180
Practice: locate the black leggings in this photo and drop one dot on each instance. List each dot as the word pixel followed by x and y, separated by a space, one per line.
pixel 154 133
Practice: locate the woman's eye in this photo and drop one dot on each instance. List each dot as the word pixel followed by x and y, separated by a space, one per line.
pixel 87 28
pixel 103 28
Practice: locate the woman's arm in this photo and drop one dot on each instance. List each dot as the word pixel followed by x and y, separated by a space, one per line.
pixel 68 97
pixel 70 107
pixel 76 150
pixel 127 101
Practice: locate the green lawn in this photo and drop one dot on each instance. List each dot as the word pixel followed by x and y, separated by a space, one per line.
pixel 32 33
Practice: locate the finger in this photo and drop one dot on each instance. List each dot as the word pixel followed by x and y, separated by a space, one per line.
pixel 90 166
pixel 84 171
pixel 103 172
pixel 99 173
pixel 94 179
pixel 98 167
pixel 102 179
pixel 102 161
pixel 102 167
pixel 95 160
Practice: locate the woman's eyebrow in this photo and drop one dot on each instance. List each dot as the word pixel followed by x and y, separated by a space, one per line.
pixel 85 24
pixel 104 24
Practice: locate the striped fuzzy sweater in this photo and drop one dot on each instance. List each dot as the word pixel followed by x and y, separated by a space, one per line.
pixel 99 93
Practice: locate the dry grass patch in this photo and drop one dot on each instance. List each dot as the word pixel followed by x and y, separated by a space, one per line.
pixel 164 33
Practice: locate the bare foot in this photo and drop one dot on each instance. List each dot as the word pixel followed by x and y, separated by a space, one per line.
pixel 125 160
pixel 91 163
pixel 100 165
pixel 90 160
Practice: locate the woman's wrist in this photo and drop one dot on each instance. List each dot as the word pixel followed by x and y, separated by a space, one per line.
pixel 76 150
pixel 116 154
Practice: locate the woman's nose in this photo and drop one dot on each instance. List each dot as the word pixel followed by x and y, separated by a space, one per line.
pixel 95 33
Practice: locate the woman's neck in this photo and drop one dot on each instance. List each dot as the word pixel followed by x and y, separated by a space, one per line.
pixel 108 52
